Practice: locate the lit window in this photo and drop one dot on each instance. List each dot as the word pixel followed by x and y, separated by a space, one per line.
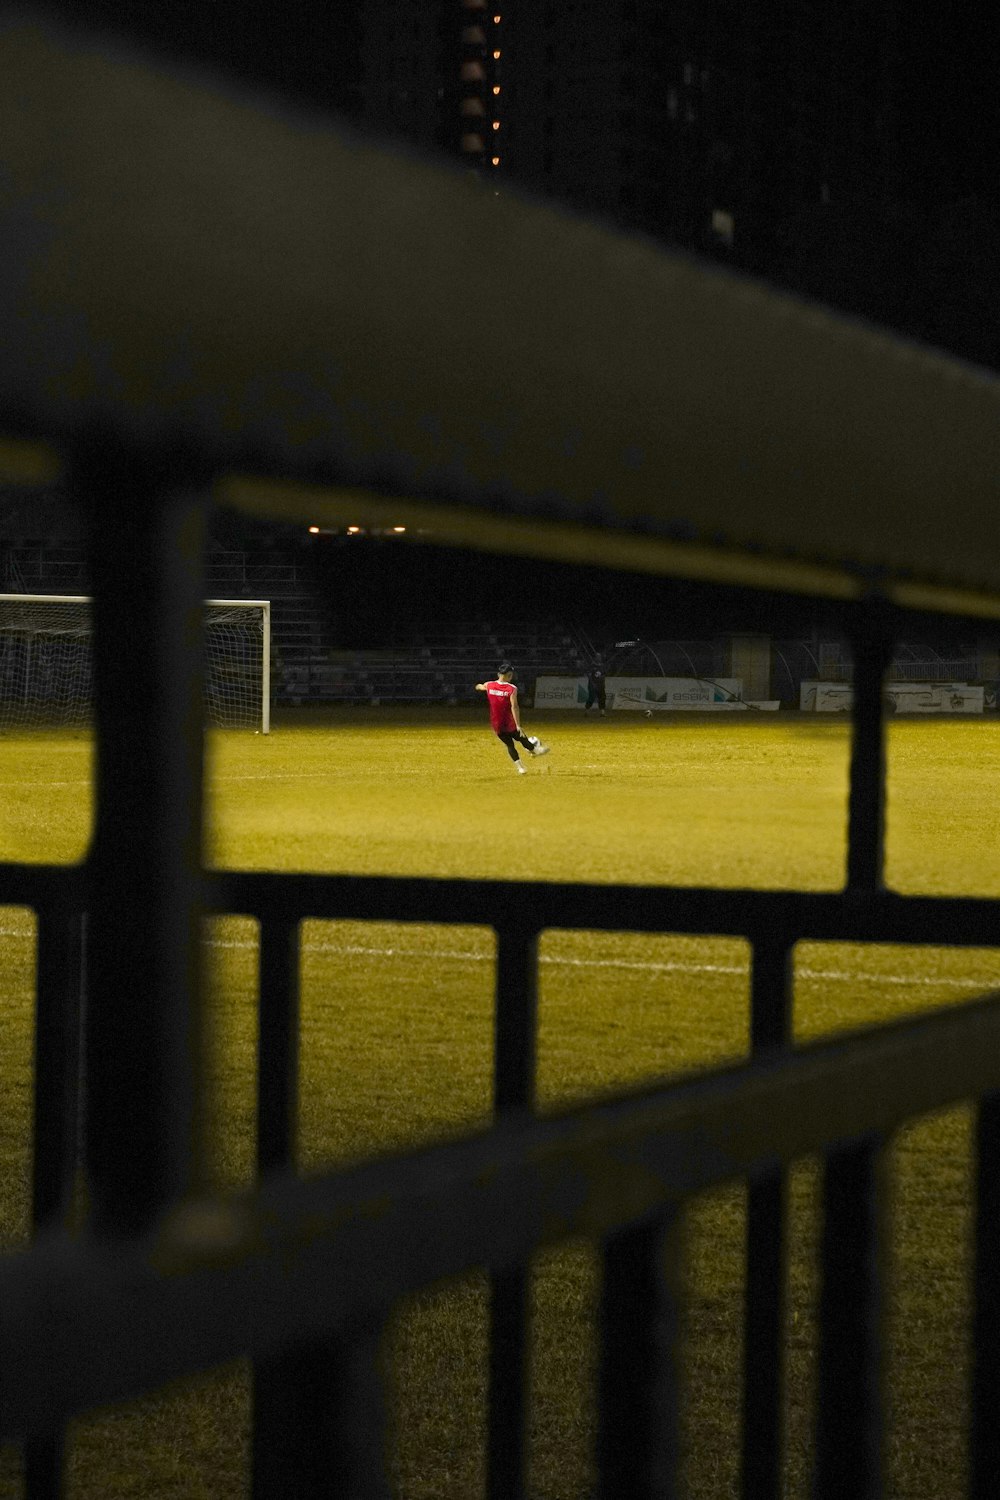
pixel 495 160
pixel 496 55
pixel 496 88
pixel 496 20
pixel 496 124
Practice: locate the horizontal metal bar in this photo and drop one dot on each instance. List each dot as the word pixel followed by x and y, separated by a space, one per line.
pixel 39 885
pixel 879 917
pixel 883 917
pixel 588 312
pixel 264 1272
pixel 801 915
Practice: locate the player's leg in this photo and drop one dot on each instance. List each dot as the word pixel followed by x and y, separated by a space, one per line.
pixel 507 738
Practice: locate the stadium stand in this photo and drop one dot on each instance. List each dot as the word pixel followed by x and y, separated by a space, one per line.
pixel 438 664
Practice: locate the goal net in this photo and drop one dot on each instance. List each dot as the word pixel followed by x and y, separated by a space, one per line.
pixel 46 661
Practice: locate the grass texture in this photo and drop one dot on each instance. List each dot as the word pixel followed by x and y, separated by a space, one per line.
pixel 396 1047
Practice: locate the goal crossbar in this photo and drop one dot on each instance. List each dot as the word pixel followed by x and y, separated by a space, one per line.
pixel 53 628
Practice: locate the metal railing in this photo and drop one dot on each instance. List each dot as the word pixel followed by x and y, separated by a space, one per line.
pixel 301 1276
pixel 226 366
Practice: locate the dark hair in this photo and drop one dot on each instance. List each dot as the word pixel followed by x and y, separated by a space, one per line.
pixel 503 668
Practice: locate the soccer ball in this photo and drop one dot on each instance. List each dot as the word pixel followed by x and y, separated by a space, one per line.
pixel 649 713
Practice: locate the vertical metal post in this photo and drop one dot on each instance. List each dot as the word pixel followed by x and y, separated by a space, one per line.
pixel 766 1245
pixel 318 1419
pixel 322 1428
pixel 57 1066
pixel 849 1435
pixel 44 1467
pixel 278 1045
pixel 515 1022
pixel 637 1444
pixel 56 1135
pixel 514 1064
pixel 872 644
pixel 143 1041
pixel 984 1446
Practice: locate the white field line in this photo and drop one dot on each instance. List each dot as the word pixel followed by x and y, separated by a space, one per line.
pixel 255 776
pixel 463 955
pixel 80 781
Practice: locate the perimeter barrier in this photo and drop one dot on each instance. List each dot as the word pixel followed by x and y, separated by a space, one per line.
pixel 302 1275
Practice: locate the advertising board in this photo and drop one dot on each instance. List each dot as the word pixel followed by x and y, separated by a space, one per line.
pixel 901 697
pixel 560 692
pixel 673 692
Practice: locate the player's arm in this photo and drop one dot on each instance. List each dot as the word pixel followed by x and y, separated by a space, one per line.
pixel 515 710
pixel 480 687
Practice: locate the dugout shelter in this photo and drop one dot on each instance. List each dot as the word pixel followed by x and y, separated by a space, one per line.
pixel 211 293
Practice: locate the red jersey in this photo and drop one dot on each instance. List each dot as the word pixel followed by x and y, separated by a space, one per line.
pixel 498 696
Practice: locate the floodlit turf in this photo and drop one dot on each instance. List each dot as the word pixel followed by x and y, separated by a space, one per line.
pixel 396 1037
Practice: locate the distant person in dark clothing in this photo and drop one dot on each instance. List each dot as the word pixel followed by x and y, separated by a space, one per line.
pixel 596 686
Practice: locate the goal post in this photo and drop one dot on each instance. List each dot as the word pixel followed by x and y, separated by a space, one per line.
pixel 46 661
pixel 238 616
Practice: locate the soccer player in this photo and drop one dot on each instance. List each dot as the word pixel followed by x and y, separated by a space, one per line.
pixel 505 717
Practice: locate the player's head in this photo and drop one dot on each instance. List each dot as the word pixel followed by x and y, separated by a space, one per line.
pixel 505 670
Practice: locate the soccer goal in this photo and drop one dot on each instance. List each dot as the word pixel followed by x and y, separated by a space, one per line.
pixel 46 661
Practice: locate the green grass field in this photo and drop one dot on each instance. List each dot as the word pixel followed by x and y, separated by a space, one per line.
pixel 397 1033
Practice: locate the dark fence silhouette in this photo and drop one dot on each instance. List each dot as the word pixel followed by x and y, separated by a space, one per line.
pixel 302 1275
pixel 675 423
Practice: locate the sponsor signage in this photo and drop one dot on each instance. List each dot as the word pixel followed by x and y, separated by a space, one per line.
pixel 672 692
pixel 560 692
pixel 901 697
pixel 657 694
pixel 826 697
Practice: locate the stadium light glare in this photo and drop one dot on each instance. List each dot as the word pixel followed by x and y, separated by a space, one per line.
pixel 399 528
pixel 314 530
pixel 353 530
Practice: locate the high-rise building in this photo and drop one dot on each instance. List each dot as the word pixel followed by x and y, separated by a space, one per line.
pixel 705 123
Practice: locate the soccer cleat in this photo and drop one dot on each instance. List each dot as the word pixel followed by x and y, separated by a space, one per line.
pixel 521 770
pixel 537 748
